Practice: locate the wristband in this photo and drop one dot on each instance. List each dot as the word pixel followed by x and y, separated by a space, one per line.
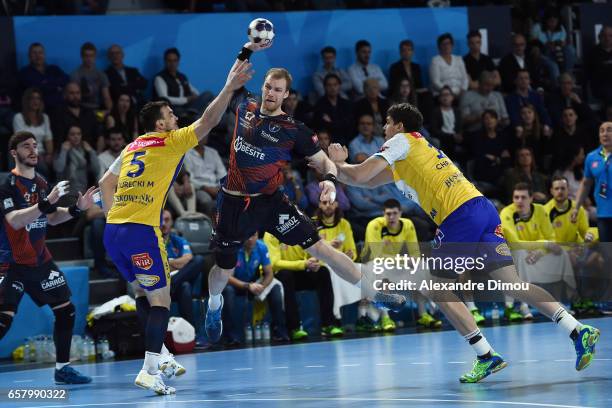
pixel 75 211
pixel 244 54
pixel 331 177
pixel 45 207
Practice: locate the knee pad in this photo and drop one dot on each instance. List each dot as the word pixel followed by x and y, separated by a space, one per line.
pixel 5 323
pixel 226 258
pixel 64 317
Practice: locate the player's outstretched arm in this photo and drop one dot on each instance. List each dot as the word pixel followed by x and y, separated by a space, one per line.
pixel 239 74
pixel 321 162
pixel 84 202
pixel 18 219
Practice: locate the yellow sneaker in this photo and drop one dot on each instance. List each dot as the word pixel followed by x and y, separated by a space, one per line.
pixel 387 323
pixel 428 321
pixel 169 367
pixel 153 382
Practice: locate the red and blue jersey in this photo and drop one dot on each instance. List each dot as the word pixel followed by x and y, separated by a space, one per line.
pixel 25 246
pixel 261 146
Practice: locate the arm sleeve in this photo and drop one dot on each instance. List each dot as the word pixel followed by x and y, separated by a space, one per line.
pixel 18 122
pixel 306 142
pixel 47 127
pixel 115 168
pixel 8 199
pixel 182 140
pixel 185 247
pixel 587 169
pixel 394 149
pixel 265 255
pixel 509 228
pixel 162 91
pixel 466 78
pixel 546 229
pixel 382 80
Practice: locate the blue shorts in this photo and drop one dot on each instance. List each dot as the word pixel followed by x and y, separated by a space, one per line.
pixel 139 253
pixel 473 230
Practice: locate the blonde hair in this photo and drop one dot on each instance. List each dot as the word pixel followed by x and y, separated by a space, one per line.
pixel 280 73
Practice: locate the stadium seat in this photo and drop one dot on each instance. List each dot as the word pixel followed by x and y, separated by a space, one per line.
pixel 198 231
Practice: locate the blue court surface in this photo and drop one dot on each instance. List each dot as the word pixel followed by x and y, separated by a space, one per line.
pixel 416 370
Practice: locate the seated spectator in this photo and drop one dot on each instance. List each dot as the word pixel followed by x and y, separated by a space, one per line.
pixel 293 187
pixel 94 82
pixel 475 102
pixel 573 171
pixel 476 62
pixel 542 71
pixel 491 154
pixel 123 117
pixel 181 197
pixel 174 86
pixel 33 119
pixel 362 69
pixel 599 66
pixel 524 95
pixel 373 105
pixel 206 170
pixel 333 112
pixel 78 163
pixel 571 137
pixel 49 79
pixel 403 93
pixel 115 142
pixel 531 133
pixel 328 54
pixel 552 34
pixel 295 107
pixel 510 64
pixel 185 268
pixel 247 282
pixel 366 142
pixel 313 192
pixel 525 171
pixel 447 125
pixel 324 139
pixel 565 96
pixel 447 69
pixel 123 79
pixel 405 69
pixel 73 113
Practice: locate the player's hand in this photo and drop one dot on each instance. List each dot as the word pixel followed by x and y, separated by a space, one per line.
pixel 328 191
pixel 61 189
pixel 240 74
pixel 337 153
pixel 87 200
pixel 262 45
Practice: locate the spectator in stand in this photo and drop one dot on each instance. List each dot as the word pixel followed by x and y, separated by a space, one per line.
pixel 324 139
pixel 373 104
pixel 248 281
pixel 530 132
pixel 556 42
pixel 406 69
pixel 564 97
pixel 181 196
pixel 476 62
pixel 333 112
pixel 491 154
pixel 174 86
pixel 366 142
pixel 447 69
pixel 599 66
pixel 475 102
pixel 123 117
pixel 570 137
pixel 542 71
pixel 115 142
pixel 49 79
pixel 185 267
pixel 447 127
pixel 328 54
pixel 296 107
pixel 293 187
pixel 33 119
pixel 403 93
pixel 73 113
pixel 206 170
pixel 510 64
pixel 313 192
pixel 94 83
pixel 78 163
pixel 123 79
pixel 362 69
pixel 525 171
pixel 524 95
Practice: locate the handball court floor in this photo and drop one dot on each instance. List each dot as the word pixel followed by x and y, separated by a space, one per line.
pixel 416 370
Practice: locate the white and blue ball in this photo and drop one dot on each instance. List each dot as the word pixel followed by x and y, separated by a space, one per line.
pixel 260 31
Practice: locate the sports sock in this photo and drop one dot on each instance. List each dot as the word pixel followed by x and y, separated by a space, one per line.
pixel 151 362
pixel 471 305
pixel 363 310
pixel 214 302
pixel 157 325
pixel 479 343
pixel 373 313
pixel 59 366
pixel 567 322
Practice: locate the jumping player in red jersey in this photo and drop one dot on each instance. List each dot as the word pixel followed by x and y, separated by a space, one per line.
pixel 264 139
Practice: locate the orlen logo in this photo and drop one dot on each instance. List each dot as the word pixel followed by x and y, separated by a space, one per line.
pixel 148 142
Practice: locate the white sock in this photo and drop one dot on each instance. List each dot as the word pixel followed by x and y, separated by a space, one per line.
pixel 362 310
pixel 509 302
pixel 59 366
pixel 164 350
pixel 566 321
pixel 214 302
pixel 471 305
pixel 151 362
pixel 373 313
pixel 482 346
pixel 384 313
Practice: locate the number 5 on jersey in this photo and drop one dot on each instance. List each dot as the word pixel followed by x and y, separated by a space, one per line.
pixel 136 162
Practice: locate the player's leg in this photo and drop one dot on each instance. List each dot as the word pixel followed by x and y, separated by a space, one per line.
pixel 11 292
pixel 65 314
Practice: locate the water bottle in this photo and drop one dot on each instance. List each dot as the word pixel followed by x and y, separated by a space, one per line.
pixel 495 313
pixel 27 350
pixel 248 334
pixel 84 349
pixel 265 332
pixel 257 333
pixel 38 348
pixel 91 350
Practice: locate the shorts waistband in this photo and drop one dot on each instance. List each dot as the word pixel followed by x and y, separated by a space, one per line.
pixel 244 195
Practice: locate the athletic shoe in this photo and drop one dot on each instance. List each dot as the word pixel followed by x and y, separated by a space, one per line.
pixel 478 318
pixel 214 324
pixel 298 334
pixel 169 367
pixel 428 321
pixel 588 336
pixel 483 368
pixel 153 382
pixel 389 301
pixel 525 312
pixel 332 331
pixel 68 375
pixel 387 324
pixel 511 315
pixel 366 325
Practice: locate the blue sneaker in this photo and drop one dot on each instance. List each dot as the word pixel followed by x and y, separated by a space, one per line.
pixel 483 368
pixel 389 301
pixel 68 375
pixel 588 336
pixel 214 324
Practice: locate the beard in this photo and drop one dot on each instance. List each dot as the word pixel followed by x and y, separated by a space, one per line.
pixel 25 160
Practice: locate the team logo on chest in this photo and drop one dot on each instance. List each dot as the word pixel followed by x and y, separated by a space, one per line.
pixel 273 127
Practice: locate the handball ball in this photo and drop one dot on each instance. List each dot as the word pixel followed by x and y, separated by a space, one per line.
pixel 260 30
